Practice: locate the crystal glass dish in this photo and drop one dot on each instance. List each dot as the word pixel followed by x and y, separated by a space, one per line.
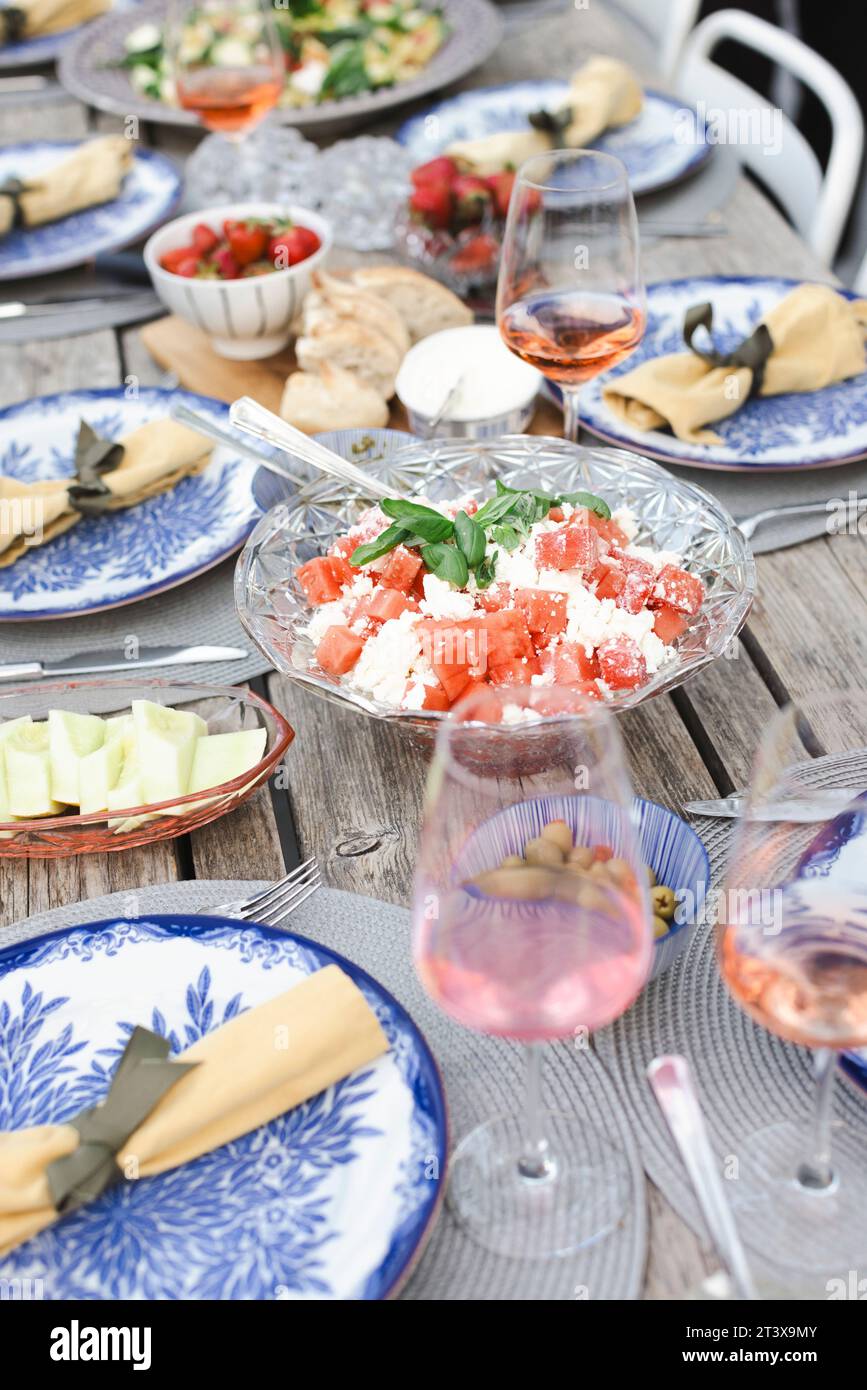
pixel 671 515
pixel 226 709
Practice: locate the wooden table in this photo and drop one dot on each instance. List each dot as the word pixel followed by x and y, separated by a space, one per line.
pixel 355 786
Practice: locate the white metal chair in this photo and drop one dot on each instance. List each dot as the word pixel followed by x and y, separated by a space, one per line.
pixel 818 204
pixel 667 22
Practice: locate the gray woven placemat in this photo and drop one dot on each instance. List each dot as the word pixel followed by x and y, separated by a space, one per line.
pixel 746 1077
pixel 483 1076
pixel 201 612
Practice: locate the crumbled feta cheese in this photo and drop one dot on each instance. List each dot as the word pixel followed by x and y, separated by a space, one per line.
pixel 309 78
pixel 625 519
pixel 387 658
pixel 656 558
pixel 442 601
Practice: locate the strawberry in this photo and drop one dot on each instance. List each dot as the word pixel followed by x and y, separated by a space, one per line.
pixel 472 199
pixel 501 186
pixel 439 170
pixel 479 253
pixel 188 267
pixel 226 264
pixel 170 260
pixel 205 239
pixel 247 241
pixel 432 204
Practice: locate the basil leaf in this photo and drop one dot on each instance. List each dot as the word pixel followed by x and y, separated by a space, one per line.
pixel 470 538
pixel 495 509
pixel 524 511
pixel 447 563
pixel 588 500
pixel 485 571
pixel 423 520
pixel 380 545
pixel 506 536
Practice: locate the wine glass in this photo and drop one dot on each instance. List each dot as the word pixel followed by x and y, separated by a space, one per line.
pixel 570 297
pixel 551 948
pixel 228 67
pixel 793 952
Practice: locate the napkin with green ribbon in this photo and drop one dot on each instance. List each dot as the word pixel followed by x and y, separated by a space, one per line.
pixel 109 475
pixel 812 338
pixel 25 19
pixel 604 93
pixel 92 173
pixel 161 1112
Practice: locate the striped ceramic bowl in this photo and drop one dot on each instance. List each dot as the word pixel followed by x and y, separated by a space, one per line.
pixel 244 318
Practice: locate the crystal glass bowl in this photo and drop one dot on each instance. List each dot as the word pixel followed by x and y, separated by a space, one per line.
pixel 226 709
pixel 671 514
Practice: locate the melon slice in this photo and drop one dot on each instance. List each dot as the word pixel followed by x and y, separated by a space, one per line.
pixel 5 813
pixel 8 726
pixel 28 771
pixel 127 790
pixel 221 757
pixel 99 771
pixel 167 741
pixel 71 737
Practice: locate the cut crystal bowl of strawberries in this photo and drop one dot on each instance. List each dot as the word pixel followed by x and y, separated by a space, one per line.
pixel 520 560
pixel 452 223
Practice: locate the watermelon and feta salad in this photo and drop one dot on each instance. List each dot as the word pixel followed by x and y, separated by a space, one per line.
pixel 417 605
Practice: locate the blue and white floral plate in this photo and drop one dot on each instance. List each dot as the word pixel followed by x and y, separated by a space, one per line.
pixel 329 1201
pixel 149 195
pixel 46 47
pixel 662 145
pixel 816 429
pixel 106 561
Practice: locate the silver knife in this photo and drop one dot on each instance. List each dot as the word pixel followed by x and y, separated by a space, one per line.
pixel 17 309
pixel 815 807
pixel 90 663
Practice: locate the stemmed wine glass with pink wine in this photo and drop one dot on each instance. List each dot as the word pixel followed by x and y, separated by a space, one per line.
pixel 570 297
pixel 531 923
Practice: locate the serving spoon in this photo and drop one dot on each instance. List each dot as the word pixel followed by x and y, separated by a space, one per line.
pixel 263 424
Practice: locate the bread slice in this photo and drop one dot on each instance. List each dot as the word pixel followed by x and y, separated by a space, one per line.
pixel 424 304
pixel 356 348
pixel 332 298
pixel 331 400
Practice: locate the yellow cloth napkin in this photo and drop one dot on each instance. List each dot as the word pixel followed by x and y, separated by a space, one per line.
pixel 93 173
pixel 254 1068
pixel 818 338
pixel 603 93
pixel 28 18
pixel 155 458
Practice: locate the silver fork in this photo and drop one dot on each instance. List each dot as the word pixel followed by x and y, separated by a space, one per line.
pixel 275 903
pixel 748 525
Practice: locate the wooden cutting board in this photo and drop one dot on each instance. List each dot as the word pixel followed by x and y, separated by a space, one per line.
pixel 182 348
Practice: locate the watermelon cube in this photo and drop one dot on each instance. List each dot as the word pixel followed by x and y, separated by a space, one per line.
pixel 679 590
pixel 343 547
pixel 635 592
pixel 401 569
pixel 572 547
pixel 610 532
pixel 384 604
pixel 544 611
pixel 611 583
pixel 571 664
pixel 515 672
pixel 668 624
pixel 493 599
pixel 435 698
pixel 506 637
pixel 323 578
pixel 339 650
pixel 621 663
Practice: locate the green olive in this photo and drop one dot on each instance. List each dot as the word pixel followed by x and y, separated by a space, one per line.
pixel 524 883
pixel 651 876
pixel 660 927
pixel 662 901
pixel 620 871
pixel 558 831
pixel 581 855
pixel 542 851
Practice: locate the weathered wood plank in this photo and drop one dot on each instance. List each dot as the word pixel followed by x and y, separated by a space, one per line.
pixel 242 844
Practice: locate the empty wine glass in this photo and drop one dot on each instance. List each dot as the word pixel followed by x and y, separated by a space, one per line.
pixel 793 952
pixel 531 923
pixel 570 297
